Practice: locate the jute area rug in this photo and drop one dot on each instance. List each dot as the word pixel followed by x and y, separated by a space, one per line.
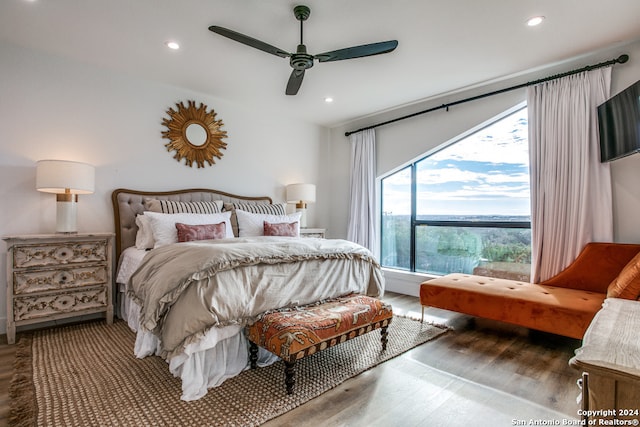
pixel 86 375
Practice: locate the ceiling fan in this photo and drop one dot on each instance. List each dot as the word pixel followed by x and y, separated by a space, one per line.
pixel 301 60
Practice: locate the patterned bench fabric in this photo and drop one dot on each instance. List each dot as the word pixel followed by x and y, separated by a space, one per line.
pixel 295 333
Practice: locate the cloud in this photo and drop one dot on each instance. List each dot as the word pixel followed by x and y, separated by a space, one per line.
pixel 501 177
pixel 435 176
pixel 451 174
pixel 477 193
pixel 485 171
pixel 505 141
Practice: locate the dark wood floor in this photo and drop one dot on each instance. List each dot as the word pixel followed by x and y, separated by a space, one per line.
pixel 481 373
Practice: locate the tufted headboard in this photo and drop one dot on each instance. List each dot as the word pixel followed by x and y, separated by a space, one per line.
pixel 129 203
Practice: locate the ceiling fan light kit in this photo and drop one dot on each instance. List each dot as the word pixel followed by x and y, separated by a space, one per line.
pixel 300 61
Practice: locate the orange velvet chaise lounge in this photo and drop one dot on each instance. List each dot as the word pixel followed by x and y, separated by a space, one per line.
pixel 564 304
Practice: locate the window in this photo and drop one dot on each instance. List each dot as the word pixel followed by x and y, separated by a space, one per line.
pixel 464 207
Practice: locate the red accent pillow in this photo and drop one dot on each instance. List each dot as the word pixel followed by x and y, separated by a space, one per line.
pixel 189 233
pixel 281 229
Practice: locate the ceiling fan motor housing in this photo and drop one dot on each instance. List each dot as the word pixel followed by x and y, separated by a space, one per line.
pixel 301 60
pixel 301 12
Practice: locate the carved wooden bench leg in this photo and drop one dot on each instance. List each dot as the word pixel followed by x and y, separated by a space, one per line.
pixel 289 375
pixel 383 337
pixel 253 355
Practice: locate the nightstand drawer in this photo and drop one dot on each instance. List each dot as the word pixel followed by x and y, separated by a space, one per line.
pixel 56 253
pixel 61 302
pixel 32 281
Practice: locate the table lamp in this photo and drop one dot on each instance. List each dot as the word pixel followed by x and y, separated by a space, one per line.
pixel 66 179
pixel 301 194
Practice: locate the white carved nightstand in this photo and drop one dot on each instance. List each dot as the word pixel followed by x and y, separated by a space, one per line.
pixel 312 232
pixel 55 276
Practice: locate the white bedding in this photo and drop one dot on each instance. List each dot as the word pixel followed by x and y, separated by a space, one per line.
pixel 221 354
pixel 186 288
pixel 129 262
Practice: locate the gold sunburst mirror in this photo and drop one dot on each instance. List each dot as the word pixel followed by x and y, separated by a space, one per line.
pixel 195 134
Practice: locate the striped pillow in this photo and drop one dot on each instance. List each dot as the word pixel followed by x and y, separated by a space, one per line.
pixel 261 208
pixel 173 207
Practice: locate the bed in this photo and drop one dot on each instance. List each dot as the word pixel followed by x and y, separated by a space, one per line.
pixel 188 290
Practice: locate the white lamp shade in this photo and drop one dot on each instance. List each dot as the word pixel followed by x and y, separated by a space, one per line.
pixel 301 193
pixel 56 176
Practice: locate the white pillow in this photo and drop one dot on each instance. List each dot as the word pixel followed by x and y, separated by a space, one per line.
pixel 164 225
pixel 252 224
pixel 144 236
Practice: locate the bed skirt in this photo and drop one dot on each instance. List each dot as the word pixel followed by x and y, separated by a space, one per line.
pixel 222 353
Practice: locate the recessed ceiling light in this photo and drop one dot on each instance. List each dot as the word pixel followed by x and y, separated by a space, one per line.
pixel 172 45
pixel 328 100
pixel 536 20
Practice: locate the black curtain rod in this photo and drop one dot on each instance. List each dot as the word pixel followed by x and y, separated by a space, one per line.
pixel 619 60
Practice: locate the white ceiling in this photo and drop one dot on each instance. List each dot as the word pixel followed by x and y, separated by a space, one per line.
pixel 444 45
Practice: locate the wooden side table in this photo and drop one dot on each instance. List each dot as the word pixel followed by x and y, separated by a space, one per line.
pixel 610 358
pixel 56 276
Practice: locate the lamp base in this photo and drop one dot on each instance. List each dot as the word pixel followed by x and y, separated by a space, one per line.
pixel 66 215
pixel 303 217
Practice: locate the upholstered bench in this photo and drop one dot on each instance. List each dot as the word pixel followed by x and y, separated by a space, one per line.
pixel 292 334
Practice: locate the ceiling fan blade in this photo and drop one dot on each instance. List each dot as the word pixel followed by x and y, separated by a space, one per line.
pixel 357 51
pixel 249 41
pixel 295 80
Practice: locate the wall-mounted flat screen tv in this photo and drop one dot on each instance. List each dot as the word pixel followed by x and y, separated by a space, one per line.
pixel 619 121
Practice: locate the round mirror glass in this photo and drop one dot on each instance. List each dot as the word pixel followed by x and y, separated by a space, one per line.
pixel 196 134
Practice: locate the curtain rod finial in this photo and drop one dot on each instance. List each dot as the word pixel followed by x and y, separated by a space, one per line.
pixel 622 59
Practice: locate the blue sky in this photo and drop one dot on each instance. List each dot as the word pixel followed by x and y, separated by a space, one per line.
pixel 486 173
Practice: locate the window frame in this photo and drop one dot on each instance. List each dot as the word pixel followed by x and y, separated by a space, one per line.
pixel 414 222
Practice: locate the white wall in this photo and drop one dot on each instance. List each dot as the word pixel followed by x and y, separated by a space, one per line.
pixel 625 172
pixel 52 108
pixel 403 141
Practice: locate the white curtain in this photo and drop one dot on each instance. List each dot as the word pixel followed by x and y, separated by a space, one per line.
pixel 361 227
pixel 571 202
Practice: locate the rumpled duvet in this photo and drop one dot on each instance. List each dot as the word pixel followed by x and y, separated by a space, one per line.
pixel 184 289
